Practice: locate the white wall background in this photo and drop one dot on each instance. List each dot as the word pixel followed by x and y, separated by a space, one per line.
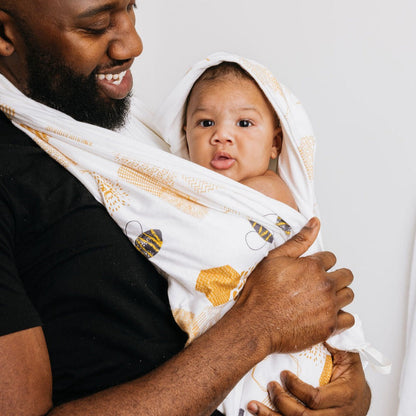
pixel 353 65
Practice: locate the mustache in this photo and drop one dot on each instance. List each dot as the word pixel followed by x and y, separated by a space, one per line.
pixel 112 64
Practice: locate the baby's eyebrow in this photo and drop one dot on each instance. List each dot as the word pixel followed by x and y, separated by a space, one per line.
pixel 199 109
pixel 250 109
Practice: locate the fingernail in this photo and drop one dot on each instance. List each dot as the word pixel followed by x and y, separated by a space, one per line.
pixel 253 408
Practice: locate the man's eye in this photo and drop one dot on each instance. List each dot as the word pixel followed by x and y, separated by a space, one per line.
pixel 96 31
pixel 244 123
pixel 206 123
pixel 132 6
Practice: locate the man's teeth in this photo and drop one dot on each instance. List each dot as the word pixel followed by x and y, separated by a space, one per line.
pixel 115 78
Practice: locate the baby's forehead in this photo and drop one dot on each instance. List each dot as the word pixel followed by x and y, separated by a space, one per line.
pixel 229 84
pixel 237 81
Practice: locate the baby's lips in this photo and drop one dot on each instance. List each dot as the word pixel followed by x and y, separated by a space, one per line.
pixel 222 161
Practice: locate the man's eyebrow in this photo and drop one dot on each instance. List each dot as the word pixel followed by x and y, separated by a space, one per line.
pixel 93 11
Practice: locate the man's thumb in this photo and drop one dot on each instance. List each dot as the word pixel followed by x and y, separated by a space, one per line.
pixel 300 242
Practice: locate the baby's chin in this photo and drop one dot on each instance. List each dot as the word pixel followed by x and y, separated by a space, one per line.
pixel 226 172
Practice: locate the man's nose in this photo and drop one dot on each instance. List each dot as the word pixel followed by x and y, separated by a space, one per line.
pixel 127 43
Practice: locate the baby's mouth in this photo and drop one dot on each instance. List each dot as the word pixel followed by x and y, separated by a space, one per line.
pixel 222 161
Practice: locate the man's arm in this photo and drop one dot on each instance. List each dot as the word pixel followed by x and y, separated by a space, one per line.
pixel 273 314
pixel 25 374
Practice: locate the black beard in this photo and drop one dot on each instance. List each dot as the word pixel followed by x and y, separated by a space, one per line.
pixel 58 86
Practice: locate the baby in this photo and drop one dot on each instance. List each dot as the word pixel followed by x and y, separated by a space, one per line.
pixel 232 129
pixel 232 117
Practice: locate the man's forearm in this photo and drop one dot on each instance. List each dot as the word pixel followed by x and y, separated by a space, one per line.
pixel 192 383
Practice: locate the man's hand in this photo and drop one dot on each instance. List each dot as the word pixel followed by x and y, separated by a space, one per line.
pixel 294 303
pixel 347 394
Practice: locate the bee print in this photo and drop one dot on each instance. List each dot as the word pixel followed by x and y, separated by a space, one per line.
pixel 218 283
pixel 252 239
pixel 147 243
pixel 263 232
pixel 283 225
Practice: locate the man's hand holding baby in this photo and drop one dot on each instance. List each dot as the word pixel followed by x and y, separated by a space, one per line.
pixel 294 303
pixel 347 394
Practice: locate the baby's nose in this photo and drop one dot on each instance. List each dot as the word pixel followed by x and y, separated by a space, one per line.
pixel 222 136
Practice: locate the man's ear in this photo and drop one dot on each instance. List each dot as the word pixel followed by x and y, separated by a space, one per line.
pixel 7 29
pixel 277 142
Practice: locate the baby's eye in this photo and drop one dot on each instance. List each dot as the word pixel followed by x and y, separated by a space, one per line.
pixel 206 123
pixel 244 123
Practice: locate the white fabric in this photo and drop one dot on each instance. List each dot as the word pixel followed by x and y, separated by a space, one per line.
pixel 407 404
pixel 204 230
pixel 295 166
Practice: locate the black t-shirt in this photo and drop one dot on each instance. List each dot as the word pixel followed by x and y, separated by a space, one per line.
pixel 66 265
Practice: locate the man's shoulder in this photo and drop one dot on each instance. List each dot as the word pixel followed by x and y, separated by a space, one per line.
pixel 32 184
pixel 10 134
pixel 15 146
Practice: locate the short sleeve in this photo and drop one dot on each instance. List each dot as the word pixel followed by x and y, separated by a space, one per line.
pixel 16 310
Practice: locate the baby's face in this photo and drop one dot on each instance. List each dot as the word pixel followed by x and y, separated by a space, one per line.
pixel 230 127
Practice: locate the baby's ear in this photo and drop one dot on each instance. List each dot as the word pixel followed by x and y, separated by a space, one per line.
pixel 277 142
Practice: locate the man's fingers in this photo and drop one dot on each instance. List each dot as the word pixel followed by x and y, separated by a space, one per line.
pixel 314 398
pixel 291 406
pixel 325 259
pixel 341 278
pixel 345 320
pixel 300 242
pixel 301 390
pixel 259 409
pixel 344 297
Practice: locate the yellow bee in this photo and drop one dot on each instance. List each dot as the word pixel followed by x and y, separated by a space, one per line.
pixel 252 239
pixel 282 224
pixel 147 243
pixel 263 232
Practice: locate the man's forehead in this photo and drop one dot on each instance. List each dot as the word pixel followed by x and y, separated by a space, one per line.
pixel 55 7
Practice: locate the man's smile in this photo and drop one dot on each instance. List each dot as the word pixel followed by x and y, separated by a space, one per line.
pixel 115 78
pixel 115 85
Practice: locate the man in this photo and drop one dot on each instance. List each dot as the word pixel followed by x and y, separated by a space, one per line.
pixel 85 323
